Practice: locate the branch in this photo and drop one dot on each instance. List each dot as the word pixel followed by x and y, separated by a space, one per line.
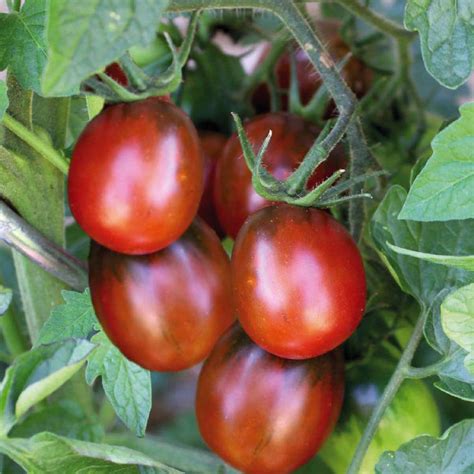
pixel 24 238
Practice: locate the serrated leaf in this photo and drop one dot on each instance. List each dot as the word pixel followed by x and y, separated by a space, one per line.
pixel 3 98
pixel 47 452
pixel 452 453
pixel 73 319
pixel 442 191
pixel 428 282
pixel 446 29
pixel 84 37
pixel 5 299
pixel 456 261
pixel 457 319
pixel 127 385
pixel 22 43
pixel 189 460
pixel 36 374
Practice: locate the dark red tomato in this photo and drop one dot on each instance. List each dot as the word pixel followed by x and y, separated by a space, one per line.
pixel 212 145
pixel 357 74
pixel 298 280
pixel 136 176
pixel 164 310
pixel 264 414
pixel 234 196
pixel 115 72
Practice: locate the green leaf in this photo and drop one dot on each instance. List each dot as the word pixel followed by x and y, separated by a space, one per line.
pixel 36 374
pixel 5 299
pixel 35 188
pixel 428 282
pixel 127 385
pixel 65 418
pixel 443 189
pixel 457 318
pixel 221 77
pixel 461 262
pixel 22 43
pixel 3 99
pixel 189 460
pixel 47 452
pixel 74 318
pixel 446 31
pixel 84 37
pixel 452 453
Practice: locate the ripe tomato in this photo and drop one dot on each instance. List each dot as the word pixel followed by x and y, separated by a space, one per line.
pixel 136 176
pixel 263 414
pixel 413 412
pixel 299 282
pixel 212 145
pixel 164 310
pixel 292 137
pixel 114 71
pixel 357 74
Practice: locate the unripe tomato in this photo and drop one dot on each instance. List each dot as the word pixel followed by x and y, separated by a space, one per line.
pixel 298 279
pixel 413 412
pixel 212 145
pixel 164 310
pixel 136 176
pixel 263 414
pixel 292 137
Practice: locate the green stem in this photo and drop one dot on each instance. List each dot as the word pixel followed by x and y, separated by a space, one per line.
pixel 377 21
pixel 424 372
pixel 391 389
pixel 14 339
pixel 24 238
pixel 35 142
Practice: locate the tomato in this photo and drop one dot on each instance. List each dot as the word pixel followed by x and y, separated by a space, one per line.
pixel 136 176
pixel 263 414
pixel 357 75
pixel 298 280
pixel 164 310
pixel 212 144
pixel 117 74
pixel 413 412
pixel 292 137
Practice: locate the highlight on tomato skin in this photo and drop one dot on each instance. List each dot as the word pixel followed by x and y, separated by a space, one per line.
pixel 165 310
pixel 212 145
pixel 136 176
pixel 263 414
pixel 292 137
pixel 298 281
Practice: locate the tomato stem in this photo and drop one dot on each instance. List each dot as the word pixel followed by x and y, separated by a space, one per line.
pixel 38 144
pixel 388 394
pixel 24 238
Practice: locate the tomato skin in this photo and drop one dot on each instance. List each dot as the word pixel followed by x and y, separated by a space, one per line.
pixel 212 145
pixel 298 280
pixel 411 413
pixel 164 310
pixel 136 176
pixel 115 72
pixel 292 137
pixel 264 414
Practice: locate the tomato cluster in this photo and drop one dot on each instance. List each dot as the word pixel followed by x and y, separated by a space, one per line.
pixel 155 195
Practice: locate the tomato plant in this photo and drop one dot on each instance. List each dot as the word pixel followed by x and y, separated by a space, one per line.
pixel 299 283
pixel 137 166
pixel 328 145
pixel 234 196
pixel 157 323
pixel 264 414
